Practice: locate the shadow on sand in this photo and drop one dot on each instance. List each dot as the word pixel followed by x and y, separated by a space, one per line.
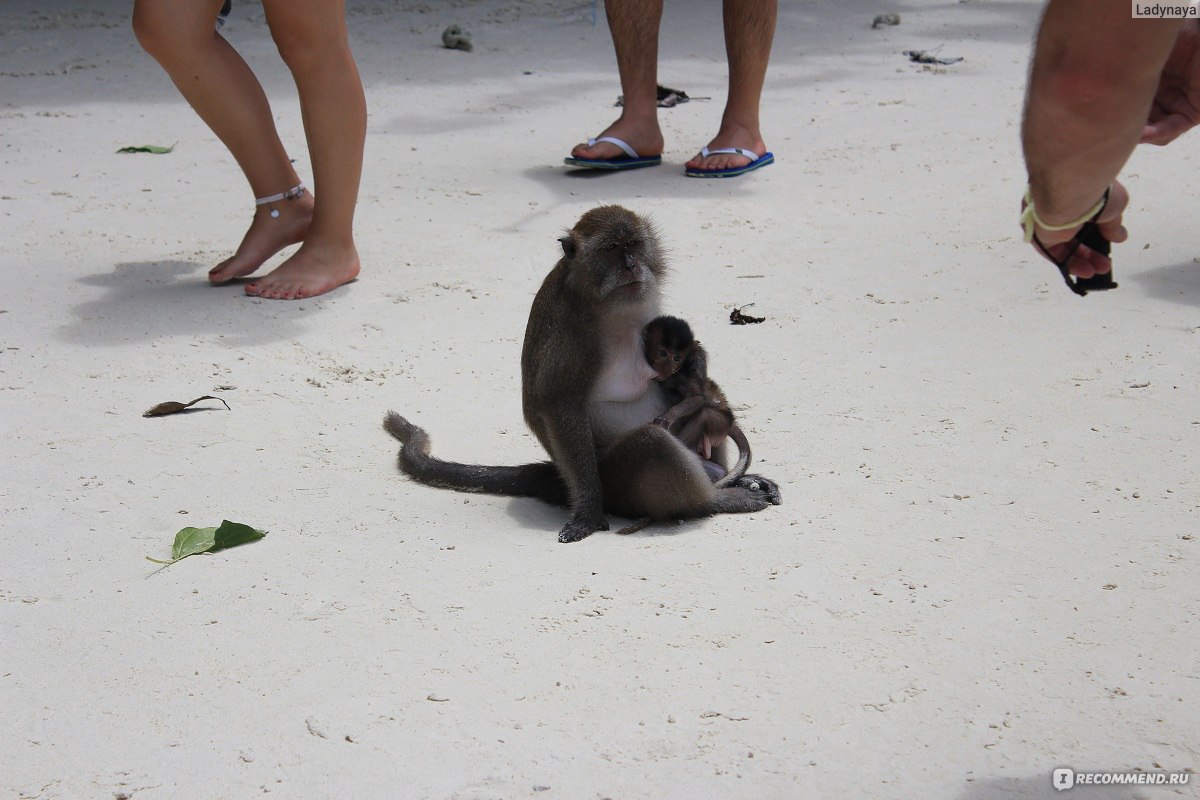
pixel 149 301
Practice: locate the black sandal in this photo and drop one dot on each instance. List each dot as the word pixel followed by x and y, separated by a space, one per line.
pixel 1088 235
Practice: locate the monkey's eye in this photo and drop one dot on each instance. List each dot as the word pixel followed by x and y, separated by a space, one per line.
pixel 677 358
pixel 662 354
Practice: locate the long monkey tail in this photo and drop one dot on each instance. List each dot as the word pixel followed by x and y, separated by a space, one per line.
pixel 743 462
pixel 539 479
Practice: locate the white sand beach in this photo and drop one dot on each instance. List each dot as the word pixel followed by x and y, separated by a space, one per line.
pixel 985 566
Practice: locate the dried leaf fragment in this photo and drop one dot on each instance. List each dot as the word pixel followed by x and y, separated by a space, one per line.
pixel 174 407
pixel 930 57
pixel 736 317
pixel 667 97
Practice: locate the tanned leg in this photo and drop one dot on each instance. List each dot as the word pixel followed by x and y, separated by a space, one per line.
pixel 634 27
pixel 311 37
pixel 220 86
pixel 749 30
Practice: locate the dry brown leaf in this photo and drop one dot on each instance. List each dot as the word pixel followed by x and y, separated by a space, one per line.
pixel 174 407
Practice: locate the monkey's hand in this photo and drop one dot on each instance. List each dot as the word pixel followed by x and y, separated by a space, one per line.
pixel 581 527
pixel 662 422
pixel 765 488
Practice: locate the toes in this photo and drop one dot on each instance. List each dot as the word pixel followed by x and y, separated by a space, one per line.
pixel 222 273
pixel 577 529
pixel 720 162
pixel 597 153
pixel 272 291
pixel 236 266
pixel 571 534
pixel 267 291
pixel 300 281
pixel 286 290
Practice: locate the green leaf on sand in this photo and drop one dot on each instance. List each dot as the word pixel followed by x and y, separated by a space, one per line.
pixel 231 534
pixel 190 541
pixel 147 148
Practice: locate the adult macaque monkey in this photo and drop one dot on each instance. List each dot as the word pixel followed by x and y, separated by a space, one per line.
pixel 588 395
pixel 701 416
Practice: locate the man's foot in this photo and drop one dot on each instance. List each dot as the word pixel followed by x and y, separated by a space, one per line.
pixel 312 270
pixel 266 237
pixel 645 138
pixel 725 161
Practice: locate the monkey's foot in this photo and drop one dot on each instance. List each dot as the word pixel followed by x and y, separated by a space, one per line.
pixel 314 269
pixel 578 529
pixel 762 487
pixel 266 237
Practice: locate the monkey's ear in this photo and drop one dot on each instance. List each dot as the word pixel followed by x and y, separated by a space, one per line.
pixel 568 246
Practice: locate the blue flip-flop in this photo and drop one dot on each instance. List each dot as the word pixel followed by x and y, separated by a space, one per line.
pixel 631 160
pixel 756 161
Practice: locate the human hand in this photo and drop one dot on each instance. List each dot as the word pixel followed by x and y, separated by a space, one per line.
pixel 1176 105
pixel 1086 262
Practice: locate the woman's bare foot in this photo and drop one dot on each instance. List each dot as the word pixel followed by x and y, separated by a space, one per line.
pixel 730 136
pixel 266 237
pixel 645 137
pixel 312 270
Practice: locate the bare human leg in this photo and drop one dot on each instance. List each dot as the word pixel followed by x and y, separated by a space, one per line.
pixel 311 37
pixel 634 27
pixel 749 31
pixel 223 91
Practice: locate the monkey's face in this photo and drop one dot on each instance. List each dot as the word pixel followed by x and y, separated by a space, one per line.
pixel 668 345
pixel 665 361
pixel 622 269
pixel 614 255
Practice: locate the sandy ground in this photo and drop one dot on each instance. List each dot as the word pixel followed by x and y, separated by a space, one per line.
pixel 985 567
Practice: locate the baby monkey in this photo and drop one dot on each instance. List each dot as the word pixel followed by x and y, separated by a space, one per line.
pixel 700 417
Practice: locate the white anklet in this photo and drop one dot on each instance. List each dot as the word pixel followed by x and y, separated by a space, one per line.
pixel 294 192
